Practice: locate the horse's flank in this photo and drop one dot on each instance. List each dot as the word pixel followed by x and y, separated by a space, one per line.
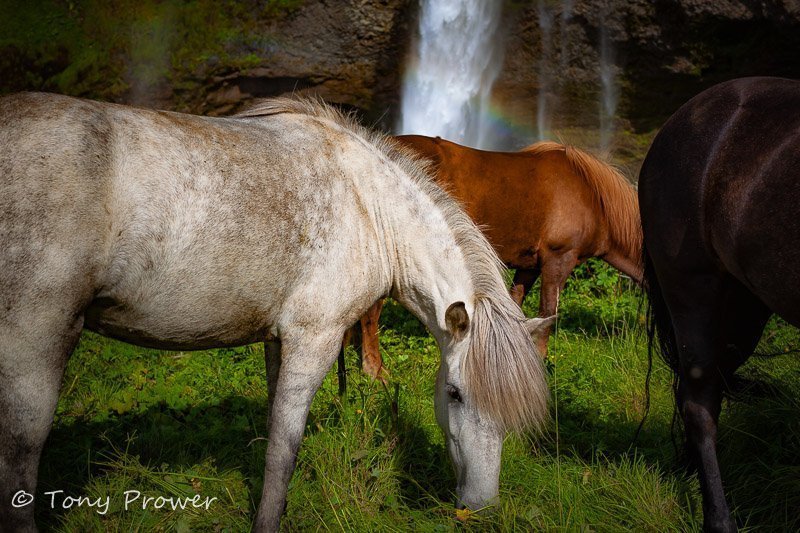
pixel 615 198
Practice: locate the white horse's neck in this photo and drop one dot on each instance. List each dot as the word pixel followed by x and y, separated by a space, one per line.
pixel 429 271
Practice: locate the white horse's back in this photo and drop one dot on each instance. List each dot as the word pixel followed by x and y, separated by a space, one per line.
pixel 198 229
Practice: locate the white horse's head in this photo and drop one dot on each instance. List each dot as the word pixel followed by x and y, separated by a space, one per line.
pixel 491 379
pixel 467 410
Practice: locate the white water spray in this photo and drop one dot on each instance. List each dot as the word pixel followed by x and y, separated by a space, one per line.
pixel 566 15
pixel 545 82
pixel 549 82
pixel 450 74
pixel 609 93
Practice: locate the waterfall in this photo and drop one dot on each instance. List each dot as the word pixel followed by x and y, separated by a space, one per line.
pixel 566 15
pixel 547 97
pixel 546 31
pixel 450 75
pixel 609 94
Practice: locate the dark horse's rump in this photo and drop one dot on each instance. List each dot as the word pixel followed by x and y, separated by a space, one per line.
pixel 720 200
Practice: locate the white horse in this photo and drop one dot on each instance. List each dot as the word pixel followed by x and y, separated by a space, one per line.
pixel 284 225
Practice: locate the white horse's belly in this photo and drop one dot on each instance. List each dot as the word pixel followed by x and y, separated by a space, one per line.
pixel 178 325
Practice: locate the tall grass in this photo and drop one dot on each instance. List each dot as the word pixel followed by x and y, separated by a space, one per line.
pixel 179 424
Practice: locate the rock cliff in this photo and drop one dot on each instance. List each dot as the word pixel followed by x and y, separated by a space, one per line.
pixel 215 57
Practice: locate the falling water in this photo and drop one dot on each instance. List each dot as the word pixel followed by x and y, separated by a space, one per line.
pixel 609 93
pixel 549 88
pixel 546 31
pixel 566 15
pixel 450 75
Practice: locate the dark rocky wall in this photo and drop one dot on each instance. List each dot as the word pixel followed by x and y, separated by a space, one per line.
pixel 215 57
pixel 665 51
pixel 347 52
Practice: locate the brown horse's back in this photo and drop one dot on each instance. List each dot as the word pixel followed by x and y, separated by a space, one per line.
pixel 544 209
pixel 529 203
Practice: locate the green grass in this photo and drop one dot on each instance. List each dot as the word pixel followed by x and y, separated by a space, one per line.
pixel 179 424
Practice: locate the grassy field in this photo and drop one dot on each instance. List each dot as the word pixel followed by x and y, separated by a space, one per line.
pixel 178 424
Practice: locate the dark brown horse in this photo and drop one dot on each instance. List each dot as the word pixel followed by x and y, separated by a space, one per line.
pixel 720 198
pixel 545 209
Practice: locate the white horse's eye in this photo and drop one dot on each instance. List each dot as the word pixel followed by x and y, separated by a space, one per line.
pixel 453 392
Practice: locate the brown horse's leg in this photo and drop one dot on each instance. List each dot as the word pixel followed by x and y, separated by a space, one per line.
pixel 371 361
pixel 524 278
pixel 555 271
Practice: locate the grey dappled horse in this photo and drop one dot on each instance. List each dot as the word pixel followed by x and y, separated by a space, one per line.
pixel 281 225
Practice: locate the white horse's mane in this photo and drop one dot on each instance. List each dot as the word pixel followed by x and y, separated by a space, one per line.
pixel 502 369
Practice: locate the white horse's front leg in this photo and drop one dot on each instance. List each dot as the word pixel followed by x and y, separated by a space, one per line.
pixel 304 363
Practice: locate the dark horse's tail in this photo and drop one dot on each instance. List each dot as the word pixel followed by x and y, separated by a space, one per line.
pixel 660 333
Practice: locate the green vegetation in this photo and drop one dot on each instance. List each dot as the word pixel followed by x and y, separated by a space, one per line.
pixel 106 50
pixel 180 424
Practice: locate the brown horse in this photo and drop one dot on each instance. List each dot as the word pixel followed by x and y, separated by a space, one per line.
pixel 545 209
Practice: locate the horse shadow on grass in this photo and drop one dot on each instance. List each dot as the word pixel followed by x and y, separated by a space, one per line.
pixel 758 444
pixel 229 434
pixel 149 440
pixel 759 447
pixel 427 474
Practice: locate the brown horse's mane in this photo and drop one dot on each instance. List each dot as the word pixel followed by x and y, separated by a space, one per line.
pixel 614 194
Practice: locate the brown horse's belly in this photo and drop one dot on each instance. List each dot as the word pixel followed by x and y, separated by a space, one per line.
pixel 521 235
pixel 520 252
pixel 509 224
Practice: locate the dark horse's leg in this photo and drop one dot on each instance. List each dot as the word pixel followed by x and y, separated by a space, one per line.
pixel 695 311
pixel 717 325
pixel 351 336
pixel 371 360
pixel 341 368
pixel 524 278
pixel 743 323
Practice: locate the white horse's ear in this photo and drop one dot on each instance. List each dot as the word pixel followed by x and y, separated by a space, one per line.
pixel 537 327
pixel 457 320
